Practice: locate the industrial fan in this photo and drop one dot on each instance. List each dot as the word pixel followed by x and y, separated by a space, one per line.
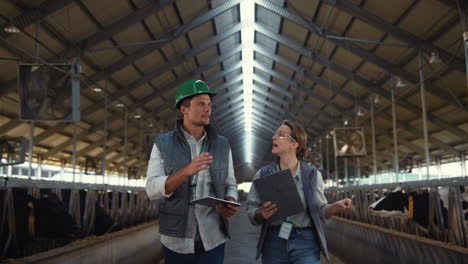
pixel 49 93
pixel 349 142
pixel 12 150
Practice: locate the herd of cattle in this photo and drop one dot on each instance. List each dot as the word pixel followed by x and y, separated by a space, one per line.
pixel 35 220
pixel 437 212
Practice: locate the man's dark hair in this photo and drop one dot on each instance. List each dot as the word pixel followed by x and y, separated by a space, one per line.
pixel 186 101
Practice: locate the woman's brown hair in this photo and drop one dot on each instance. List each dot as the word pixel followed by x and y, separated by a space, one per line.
pixel 299 134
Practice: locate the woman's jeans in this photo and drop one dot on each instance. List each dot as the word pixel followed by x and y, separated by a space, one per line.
pixel 302 247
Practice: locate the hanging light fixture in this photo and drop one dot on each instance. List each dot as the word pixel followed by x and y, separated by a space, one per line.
pixel 97 89
pixel 376 99
pixel 400 83
pixel 359 112
pixel 434 59
pixel 345 122
pixel 150 124
pixel 120 105
pixel 11 29
pixel 137 116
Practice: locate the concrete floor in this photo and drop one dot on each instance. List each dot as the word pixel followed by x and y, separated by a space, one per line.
pixel 241 249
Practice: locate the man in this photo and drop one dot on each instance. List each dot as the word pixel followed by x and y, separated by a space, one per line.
pixel 191 162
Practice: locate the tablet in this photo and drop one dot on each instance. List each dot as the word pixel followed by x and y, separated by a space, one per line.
pixel 213 201
pixel 279 188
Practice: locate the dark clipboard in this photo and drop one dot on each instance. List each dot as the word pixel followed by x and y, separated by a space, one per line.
pixel 280 189
pixel 213 201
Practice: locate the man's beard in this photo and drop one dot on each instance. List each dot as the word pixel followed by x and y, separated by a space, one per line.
pixel 200 123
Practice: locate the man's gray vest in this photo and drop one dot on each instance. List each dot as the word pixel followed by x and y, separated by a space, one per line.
pixel 175 151
pixel 309 180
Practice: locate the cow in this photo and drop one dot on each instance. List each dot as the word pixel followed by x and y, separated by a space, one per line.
pixel 42 217
pixel 103 223
pixel 414 205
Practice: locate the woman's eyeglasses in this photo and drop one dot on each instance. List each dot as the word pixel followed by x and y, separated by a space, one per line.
pixel 284 136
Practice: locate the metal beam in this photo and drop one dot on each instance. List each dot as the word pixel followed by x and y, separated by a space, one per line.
pixel 339 91
pixel 86 133
pixel 355 49
pixel 365 83
pixel 32 15
pixel 449 59
pixel 148 98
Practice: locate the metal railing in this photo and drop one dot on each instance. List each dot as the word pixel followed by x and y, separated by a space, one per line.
pixel 127 206
pixel 452 229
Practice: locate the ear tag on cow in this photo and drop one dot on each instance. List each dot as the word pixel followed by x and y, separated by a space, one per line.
pixel 285 230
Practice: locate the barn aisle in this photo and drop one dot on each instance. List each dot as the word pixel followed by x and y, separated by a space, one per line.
pixel 241 249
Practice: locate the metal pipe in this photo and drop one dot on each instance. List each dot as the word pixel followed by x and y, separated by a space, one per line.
pixel 39 166
pixel 374 159
pixel 424 114
pixel 140 148
pixel 357 171
pixel 31 142
pixel 420 170
pixel 38 37
pixel 31 146
pixel 336 168
pixel 463 163
pixel 327 155
pixel 346 171
pixel 125 147
pixel 439 168
pixel 396 168
pixel 369 41
pixel 104 156
pixel 62 170
pixel 465 38
pixel 74 147
pixel 321 152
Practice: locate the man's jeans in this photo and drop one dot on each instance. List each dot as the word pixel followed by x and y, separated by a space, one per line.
pixel 214 256
pixel 302 247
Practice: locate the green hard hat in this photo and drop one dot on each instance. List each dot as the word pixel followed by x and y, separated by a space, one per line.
pixel 189 88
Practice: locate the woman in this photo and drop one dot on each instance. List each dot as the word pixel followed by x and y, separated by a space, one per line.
pixel 306 239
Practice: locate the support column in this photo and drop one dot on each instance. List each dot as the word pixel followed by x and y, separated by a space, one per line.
pixel 346 176
pixel 31 146
pixel 75 125
pixel 463 163
pixel 424 114
pixel 439 168
pixel 327 137
pixel 465 38
pixel 396 168
pixel 374 159
pixel 125 172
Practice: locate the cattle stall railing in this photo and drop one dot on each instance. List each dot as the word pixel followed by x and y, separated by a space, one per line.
pixel 39 215
pixel 445 222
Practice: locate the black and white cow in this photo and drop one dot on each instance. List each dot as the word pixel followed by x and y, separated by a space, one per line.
pixel 398 204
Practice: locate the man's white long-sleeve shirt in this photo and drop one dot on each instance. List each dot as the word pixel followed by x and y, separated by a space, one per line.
pixel 206 218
